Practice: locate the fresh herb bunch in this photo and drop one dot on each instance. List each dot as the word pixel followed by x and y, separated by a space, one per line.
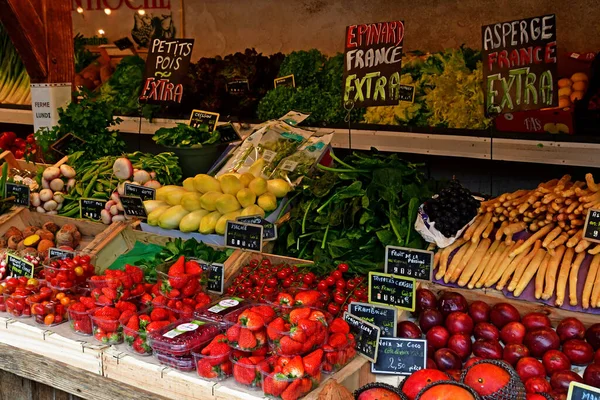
pixel 350 213
pixel 184 135
pixel 83 57
pixel 189 248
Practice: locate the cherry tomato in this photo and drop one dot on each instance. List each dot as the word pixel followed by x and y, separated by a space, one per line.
pixel 343 267
pixel 269 290
pixel 330 281
pixel 272 282
pixel 339 299
pixel 266 262
pixel 79 271
pixel 351 284
pixel 359 293
pixel 333 308
pixel 340 284
pixel 49 319
pixel 287 283
pixel 336 275
pixel 322 286
pixel 65 301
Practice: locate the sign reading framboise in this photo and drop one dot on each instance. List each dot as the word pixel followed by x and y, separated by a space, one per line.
pixel 520 65
pixel 372 64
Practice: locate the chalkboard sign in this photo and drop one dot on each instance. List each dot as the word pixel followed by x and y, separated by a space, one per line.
pixel 204 120
pixel 591 229
pixel 20 193
pixel 228 133
pixel 60 146
pixel 403 261
pixel 382 316
pixel 269 228
pixel 407 93
pixel 61 254
pixel 166 70
pixel 372 64
pixel 400 356
pixel 579 391
pixel 134 207
pixel 365 334
pixel 243 236
pixel 238 86
pixel 216 276
pixel 123 43
pixel 285 81
pixel 392 290
pixel 143 192
pixel 91 208
pixel 520 65
pixel 19 267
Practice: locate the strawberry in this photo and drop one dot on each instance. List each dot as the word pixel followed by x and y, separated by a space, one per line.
pixel 190 288
pixel 244 371
pixel 297 334
pixel 140 346
pixel 108 313
pixel 159 301
pixel 144 321
pixel 256 359
pixel 289 346
pixel 233 333
pixel 312 362
pixel 294 368
pixel 136 273
pixel 219 349
pixel 284 299
pixel 261 352
pixel 178 268
pixel 246 341
pixel 125 316
pixel 156 325
pixel 111 294
pixel 261 338
pixel 103 300
pixel 299 313
pixel 318 316
pixel 309 327
pixel 78 307
pixel 292 392
pixel 192 268
pixel 205 369
pixel 133 323
pixel 275 328
pixel 338 340
pixel 266 312
pixel 275 384
pixel 307 298
pixel 125 305
pixel 159 314
pixel 217 339
pixel 88 302
pixel 146 299
pixel 251 320
pixel 338 325
pixel 309 344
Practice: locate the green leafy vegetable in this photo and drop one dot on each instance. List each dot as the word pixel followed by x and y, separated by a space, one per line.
pixel 184 135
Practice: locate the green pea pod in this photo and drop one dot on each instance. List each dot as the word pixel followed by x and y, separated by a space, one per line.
pixel 99 187
pixel 74 212
pixel 89 188
pixel 79 188
pixel 89 174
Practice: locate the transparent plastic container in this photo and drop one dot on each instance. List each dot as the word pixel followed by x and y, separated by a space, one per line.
pixel 182 337
pixel 213 368
pixel 275 385
pixel 286 298
pixel 246 373
pixel 182 363
pixel 249 335
pixel 181 286
pixel 80 322
pixel 135 340
pixel 106 330
pixel 16 305
pixel 334 360
pixel 48 313
pixel 219 309
pixel 305 329
pixel 108 289
pixel 60 278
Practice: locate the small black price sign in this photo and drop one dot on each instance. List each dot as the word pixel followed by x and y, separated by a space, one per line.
pixel 591 229
pixel 390 290
pixel 406 93
pixel 61 254
pixel 366 336
pixel 216 276
pixel 143 192
pixel 91 208
pixel 228 133
pixel 243 236
pixel 286 81
pixel 400 356
pixel 20 193
pixel 60 146
pixel 134 207
pixel 204 120
pixel 269 228
pixel 19 267
pixel 580 391
pixel 238 86
pixel 403 261
pixel 123 43
pixel 382 316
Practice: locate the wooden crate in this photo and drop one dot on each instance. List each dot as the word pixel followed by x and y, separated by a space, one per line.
pixel 22 165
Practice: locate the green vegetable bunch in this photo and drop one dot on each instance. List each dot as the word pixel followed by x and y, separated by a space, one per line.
pixel 350 213
pixel 184 135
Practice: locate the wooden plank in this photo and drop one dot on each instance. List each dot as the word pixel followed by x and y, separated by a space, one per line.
pixel 59 39
pixel 15 387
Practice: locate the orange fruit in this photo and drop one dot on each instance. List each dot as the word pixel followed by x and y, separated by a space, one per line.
pixel 418 380
pixel 446 392
pixel 487 379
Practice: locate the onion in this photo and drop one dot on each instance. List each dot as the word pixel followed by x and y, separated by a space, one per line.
pixel 45 184
pixel 50 205
pixel 115 197
pixel 58 197
pixel 120 206
pixel 67 171
pixel 122 168
pixel 46 194
pixel 40 209
pixel 106 217
pixel 57 184
pixel 109 204
pixel 34 199
pixel 118 218
pixel 60 205
pixel 121 188
pixel 71 183
pixel 153 184
pixel 114 210
pixel 141 176
pixel 51 173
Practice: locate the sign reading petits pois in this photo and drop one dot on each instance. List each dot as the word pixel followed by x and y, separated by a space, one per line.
pixel 372 63
pixel 520 65
pixel 166 70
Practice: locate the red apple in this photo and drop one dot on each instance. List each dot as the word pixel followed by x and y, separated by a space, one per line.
pixel 570 328
pixel 408 330
pixel 430 363
pixel 459 322
pixel 592 335
pixel 447 359
pixel 529 367
pixel 579 351
pixel 540 340
pixel 425 300
pixel 471 361
pixel 591 376
pixel 461 344
pixel 561 380
pixel 537 385
pixel 418 380
pixel 452 301
pixel 480 311
pixel 430 318
pixel 514 352
pixel 438 337
pixel 597 357
pixel 503 313
pixel 490 349
pixel 555 361
pixel 485 330
pixel 536 320
pixel 513 332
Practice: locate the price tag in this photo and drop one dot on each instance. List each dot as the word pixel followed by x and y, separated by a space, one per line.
pixel 216 276
pixel 134 207
pixel 204 120
pixel 243 236
pixel 269 228
pixel 406 93
pixel 286 81
pixel 391 290
pixel 384 317
pixel 591 229
pixel 579 391
pixel 366 336
pixel 60 146
pixel 403 261
pixel 228 133
pixel 143 192
pixel 91 208
pixel 20 193
pixel 18 266
pixel 238 86
pixel 400 356
pixel 61 254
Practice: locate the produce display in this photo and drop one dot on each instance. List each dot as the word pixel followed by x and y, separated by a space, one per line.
pixel 21 148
